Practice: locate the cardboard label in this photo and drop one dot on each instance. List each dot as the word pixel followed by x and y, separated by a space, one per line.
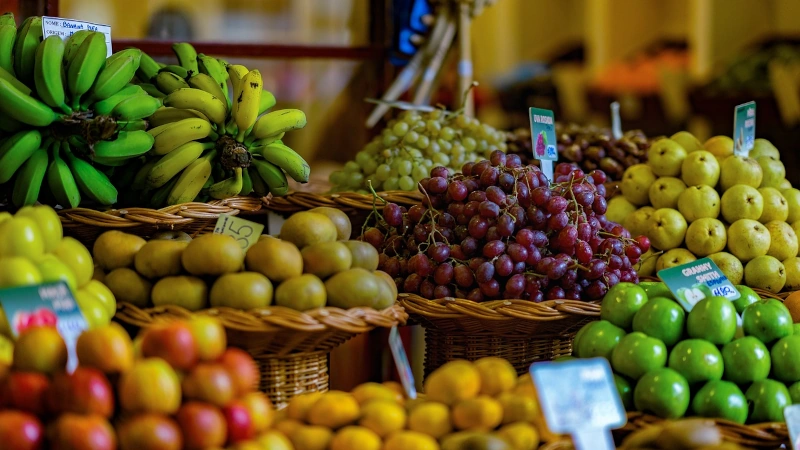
pixel 401 361
pixel 744 128
pixel 697 280
pixel 792 415
pixel 579 397
pixel 49 304
pixel 245 232
pixel 543 136
pixel 66 27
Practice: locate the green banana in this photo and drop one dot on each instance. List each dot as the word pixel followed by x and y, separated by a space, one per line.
pixel 167 82
pixel 199 100
pixel 47 73
pixel 140 179
pixel 171 136
pixel 287 159
pixel 24 108
pixel 207 83
pixel 9 124
pixel 279 121
pixel 117 73
pixel 266 141
pixel 266 101
pixel 29 35
pixel 259 186
pixel 72 45
pixel 191 180
pixel 148 69
pixel 152 90
pixel 8 19
pixel 16 150
pixel 215 69
pixel 8 37
pixel 187 56
pixel 176 70
pixel 29 179
pixel 158 198
pixel 227 188
pixel 246 102
pixel 173 162
pixel 247 183
pixel 84 68
pixel 127 145
pixel 136 107
pixel 165 115
pixel 5 75
pixel 132 125
pixel 61 182
pixel 273 176
pixel 104 107
pixel 92 183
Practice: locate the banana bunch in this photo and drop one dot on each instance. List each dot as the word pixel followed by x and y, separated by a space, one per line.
pixel 68 115
pixel 214 137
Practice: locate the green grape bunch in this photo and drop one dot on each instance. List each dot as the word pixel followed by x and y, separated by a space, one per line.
pixel 411 145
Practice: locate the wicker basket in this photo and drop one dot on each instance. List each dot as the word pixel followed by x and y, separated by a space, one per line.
pixel 86 224
pixel 290 347
pixel 520 331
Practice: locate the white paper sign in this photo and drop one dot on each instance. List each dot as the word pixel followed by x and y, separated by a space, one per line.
pixel 66 27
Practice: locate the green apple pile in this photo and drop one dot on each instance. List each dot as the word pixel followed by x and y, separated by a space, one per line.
pixel 738 360
pixel 696 200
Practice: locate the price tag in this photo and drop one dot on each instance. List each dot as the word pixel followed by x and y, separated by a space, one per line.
pixel 744 128
pixel 697 280
pixel 792 415
pixel 245 232
pixel 274 223
pixel 579 397
pixel 543 135
pixel 616 122
pixel 401 361
pixel 66 27
pixel 49 304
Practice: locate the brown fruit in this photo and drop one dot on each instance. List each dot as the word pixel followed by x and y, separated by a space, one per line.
pixel 85 391
pixel 129 287
pixel 81 432
pixel 244 290
pixel 160 258
pixel 306 228
pixel 364 254
pixel 352 288
pixel 150 432
pixel 343 226
pixel 276 259
pixel 40 349
pixel 184 291
pixel 326 258
pixel 212 254
pixel 114 249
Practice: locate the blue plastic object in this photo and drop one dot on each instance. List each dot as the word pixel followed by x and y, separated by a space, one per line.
pixel 407 16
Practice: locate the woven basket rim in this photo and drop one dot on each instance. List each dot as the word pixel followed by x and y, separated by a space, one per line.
pixel 759 434
pixel 298 201
pixel 499 310
pixel 274 319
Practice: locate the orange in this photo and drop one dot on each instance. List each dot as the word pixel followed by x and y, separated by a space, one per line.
pixel 792 303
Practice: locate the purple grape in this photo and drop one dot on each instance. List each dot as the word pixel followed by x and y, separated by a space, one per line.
pixel 515 286
pixel 583 252
pixel 475 295
pixel 495 194
pixel 426 289
pixel 541 195
pixel 513 161
pixel 555 293
pixel 466 169
pixel 471 208
pixel 556 205
pixel 490 289
pixel 505 225
pixel 503 266
pixel 412 283
pixel 477 227
pixel 517 252
pixel 458 191
pixel 536 217
pixel 442 292
pixel 392 215
pixel 469 245
pixel 557 221
pixel 494 248
pixel 440 171
pixel 439 253
pixel 567 237
pixel 477 196
pixel 506 181
pixel 485 272
pixel 597 268
pixel 489 210
pixel 534 256
pixel 497 158
pixel 420 264
pixel 463 276
pixel 557 270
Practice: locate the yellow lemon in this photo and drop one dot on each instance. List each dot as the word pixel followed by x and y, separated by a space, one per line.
pixel 311 437
pixel 104 294
pixel 4 328
pixel 525 386
pixel 410 440
pixel 274 440
pixel 92 308
pixel 287 426
pixel 455 381
pixel 374 391
pixel 18 271
pixel 298 407
pixel 383 417
pixel 431 418
pixel 334 409
pixel 518 408
pixel 6 351
pixel 477 414
pixel 497 375
pixel 521 435
pixel 352 437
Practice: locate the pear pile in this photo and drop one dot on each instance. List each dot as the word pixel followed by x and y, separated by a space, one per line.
pixel 695 200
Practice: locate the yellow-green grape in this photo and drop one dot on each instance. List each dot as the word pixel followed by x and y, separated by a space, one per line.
pixel 434 127
pixel 441 159
pixel 411 137
pixel 419 172
pixel 390 140
pixel 391 184
pixel 469 143
pixel 337 178
pixel 446 146
pixel 415 153
pixel 404 168
pixel 400 129
pixel 406 183
pixel 423 141
pixel 382 172
pixel 355 180
pixel 352 166
pixel 448 133
pixel 370 166
pixel 462 121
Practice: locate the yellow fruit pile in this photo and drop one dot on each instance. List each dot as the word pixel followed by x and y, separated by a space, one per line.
pixel 312 265
pixel 696 200
pixel 467 405
pixel 33 251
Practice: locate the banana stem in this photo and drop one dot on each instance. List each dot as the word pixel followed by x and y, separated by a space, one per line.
pixel 213 135
pixel 241 135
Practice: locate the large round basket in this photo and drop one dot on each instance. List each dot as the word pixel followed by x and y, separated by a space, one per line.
pixel 519 331
pixel 290 347
pixel 86 224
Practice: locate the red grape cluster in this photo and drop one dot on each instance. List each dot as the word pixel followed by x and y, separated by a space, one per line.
pixel 499 231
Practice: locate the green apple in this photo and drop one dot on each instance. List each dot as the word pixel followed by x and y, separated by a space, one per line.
pixel 747 297
pixel 720 400
pixel 700 167
pixel 666 229
pixel 742 202
pixel 765 272
pixel 637 354
pixel 794 392
pixel 792 267
pixel 697 202
pixel 773 170
pixel 656 289
pixel 687 141
pixel 665 191
pixel 621 303
pixel 767 320
pixel 636 223
pixel 647 264
pixel 730 265
pixel 796 328
pixel 53 270
pixel 748 239
pixel 712 319
pixel 784 185
pixel 674 257
pixel 792 197
pixel 598 338
pixel 625 391
pixel 697 360
pixel 785 356
pixel 662 392
pixel 661 318
pixel 775 205
pixel 706 236
pixel 768 398
pixel 746 360
pixel 796 227
pixel 636 182
pixel 21 236
pixel 740 170
pixel 619 208
pixel 665 157
pixel 783 240
pixel 763 147
pixel 719 146
pixel 47 221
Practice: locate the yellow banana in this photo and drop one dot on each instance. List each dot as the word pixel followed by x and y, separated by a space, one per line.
pixel 208 84
pixel 127 145
pixel 24 108
pixel 213 67
pixel 172 163
pixel 199 100
pixel 87 63
pixel 227 188
pixel 247 102
pixel 166 114
pixel 47 73
pixel 178 133
pixel 191 180
pixel 277 122
pixel 287 159
pixel 168 82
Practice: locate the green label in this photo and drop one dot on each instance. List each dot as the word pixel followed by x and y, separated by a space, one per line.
pixel 744 128
pixel 245 232
pixel 45 305
pixel 697 280
pixel 543 134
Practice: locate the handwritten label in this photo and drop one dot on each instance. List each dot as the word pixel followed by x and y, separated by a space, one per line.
pixel 543 135
pixel 579 397
pixel 245 232
pixel 49 304
pixel 792 415
pixel 67 27
pixel 744 128
pixel 697 280
pixel 401 361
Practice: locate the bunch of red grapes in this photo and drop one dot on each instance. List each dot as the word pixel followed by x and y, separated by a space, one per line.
pixel 499 231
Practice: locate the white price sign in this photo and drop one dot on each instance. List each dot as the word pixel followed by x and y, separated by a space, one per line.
pixel 67 27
